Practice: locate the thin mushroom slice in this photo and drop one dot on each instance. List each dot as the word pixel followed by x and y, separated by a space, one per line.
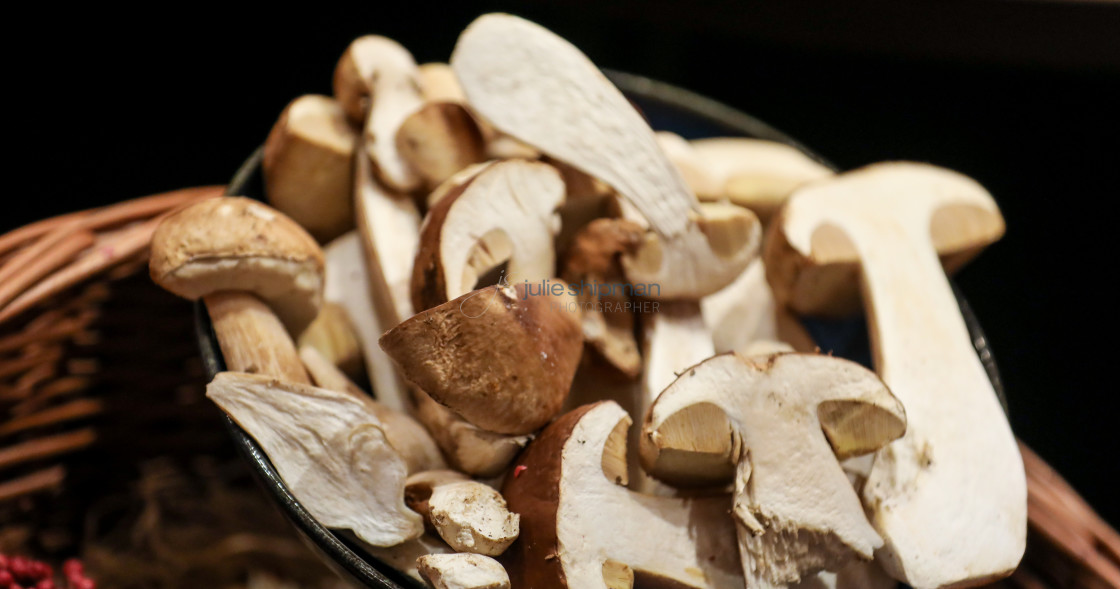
pixel 581 528
pixel 950 498
pixel 504 214
pixel 503 358
pixel 329 449
pixel 463 571
pixel 538 88
pixel 797 415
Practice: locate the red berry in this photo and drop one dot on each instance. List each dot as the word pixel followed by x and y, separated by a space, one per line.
pixel 3 562
pixel 5 578
pixel 85 584
pixel 73 568
pixel 15 586
pixel 45 584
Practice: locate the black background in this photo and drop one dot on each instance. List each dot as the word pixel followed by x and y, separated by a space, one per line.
pixel 1021 95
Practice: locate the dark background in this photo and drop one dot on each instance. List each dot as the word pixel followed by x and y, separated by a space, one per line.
pixel 1021 95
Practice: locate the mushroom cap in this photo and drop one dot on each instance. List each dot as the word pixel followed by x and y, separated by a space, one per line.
pixel 812 264
pixel 238 244
pixel 500 358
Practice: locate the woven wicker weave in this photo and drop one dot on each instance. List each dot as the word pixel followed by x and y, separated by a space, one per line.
pixel 98 368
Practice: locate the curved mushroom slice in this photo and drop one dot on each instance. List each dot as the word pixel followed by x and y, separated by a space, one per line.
pixel 581 528
pixel 756 173
pixel 745 311
pixel 439 139
pixel 796 414
pixel 307 160
pixel 505 213
pixel 405 435
pixel 502 358
pixel 463 571
pixel 538 88
pixel 329 449
pixel 949 498
pixel 378 84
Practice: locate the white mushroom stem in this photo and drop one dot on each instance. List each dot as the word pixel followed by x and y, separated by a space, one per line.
pixel 795 510
pixel 950 497
pixel 463 571
pixel 252 338
pixel 329 449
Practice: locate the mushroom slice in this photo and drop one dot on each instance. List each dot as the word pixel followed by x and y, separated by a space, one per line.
pixel 697 173
pixel 307 160
pixel 505 213
pixel 503 358
pixel 332 334
pixel 378 84
pixel 538 88
pixel 439 84
pixel 797 415
pixel 581 528
pixel 404 557
pixel 439 139
pixel 407 436
pixel 329 449
pixel 467 447
pixel 950 498
pixel 470 516
pixel 756 173
pixel 463 571
pixel 745 311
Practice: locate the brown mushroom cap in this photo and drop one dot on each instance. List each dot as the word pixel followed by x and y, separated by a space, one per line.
pixel 238 244
pixel 501 359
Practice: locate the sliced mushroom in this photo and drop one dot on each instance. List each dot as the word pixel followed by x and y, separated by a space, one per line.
pixel 470 516
pixel 439 139
pixel 856 575
pixel 439 84
pixel 463 571
pixel 697 173
pixel 307 161
pixel 745 311
pixel 501 357
pixel 233 253
pixel 467 447
pixel 950 497
pixel 404 557
pixel 332 334
pixel 407 437
pixel 756 173
pixel 581 528
pixel 505 213
pixel 796 415
pixel 378 84
pixel 329 449
pixel 535 86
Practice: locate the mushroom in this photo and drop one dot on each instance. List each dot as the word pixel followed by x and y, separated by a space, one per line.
pixel 233 253
pixel 538 88
pixel 404 557
pixel 697 173
pixel 330 450
pixel 404 434
pixel 745 311
pixel 581 528
pixel 950 497
pixel 463 571
pixel 470 516
pixel 505 213
pixel 439 139
pixel 377 83
pixel 797 415
pixel 307 160
pixel 379 295
pixel 501 357
pixel 439 84
pixel 332 334
pixel 756 173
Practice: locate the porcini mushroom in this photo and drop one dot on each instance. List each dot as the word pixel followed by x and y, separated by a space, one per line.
pixel 377 82
pixel 439 139
pixel 467 447
pixel 581 528
pixel 439 84
pixel 463 571
pixel 505 213
pixel 498 357
pixel 796 414
pixel 470 516
pixel 332 334
pixel 745 311
pixel 235 253
pixel 533 85
pixel 329 449
pixel 307 160
pixel 949 498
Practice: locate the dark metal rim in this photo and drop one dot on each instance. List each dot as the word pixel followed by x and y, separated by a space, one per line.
pixel 342 557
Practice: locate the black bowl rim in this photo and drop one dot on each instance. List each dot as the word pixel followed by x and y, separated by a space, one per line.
pixel 338 554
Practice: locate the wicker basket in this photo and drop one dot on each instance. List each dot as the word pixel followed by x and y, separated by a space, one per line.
pixel 99 371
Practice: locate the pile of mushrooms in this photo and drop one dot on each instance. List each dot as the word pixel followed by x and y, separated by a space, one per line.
pixel 582 338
